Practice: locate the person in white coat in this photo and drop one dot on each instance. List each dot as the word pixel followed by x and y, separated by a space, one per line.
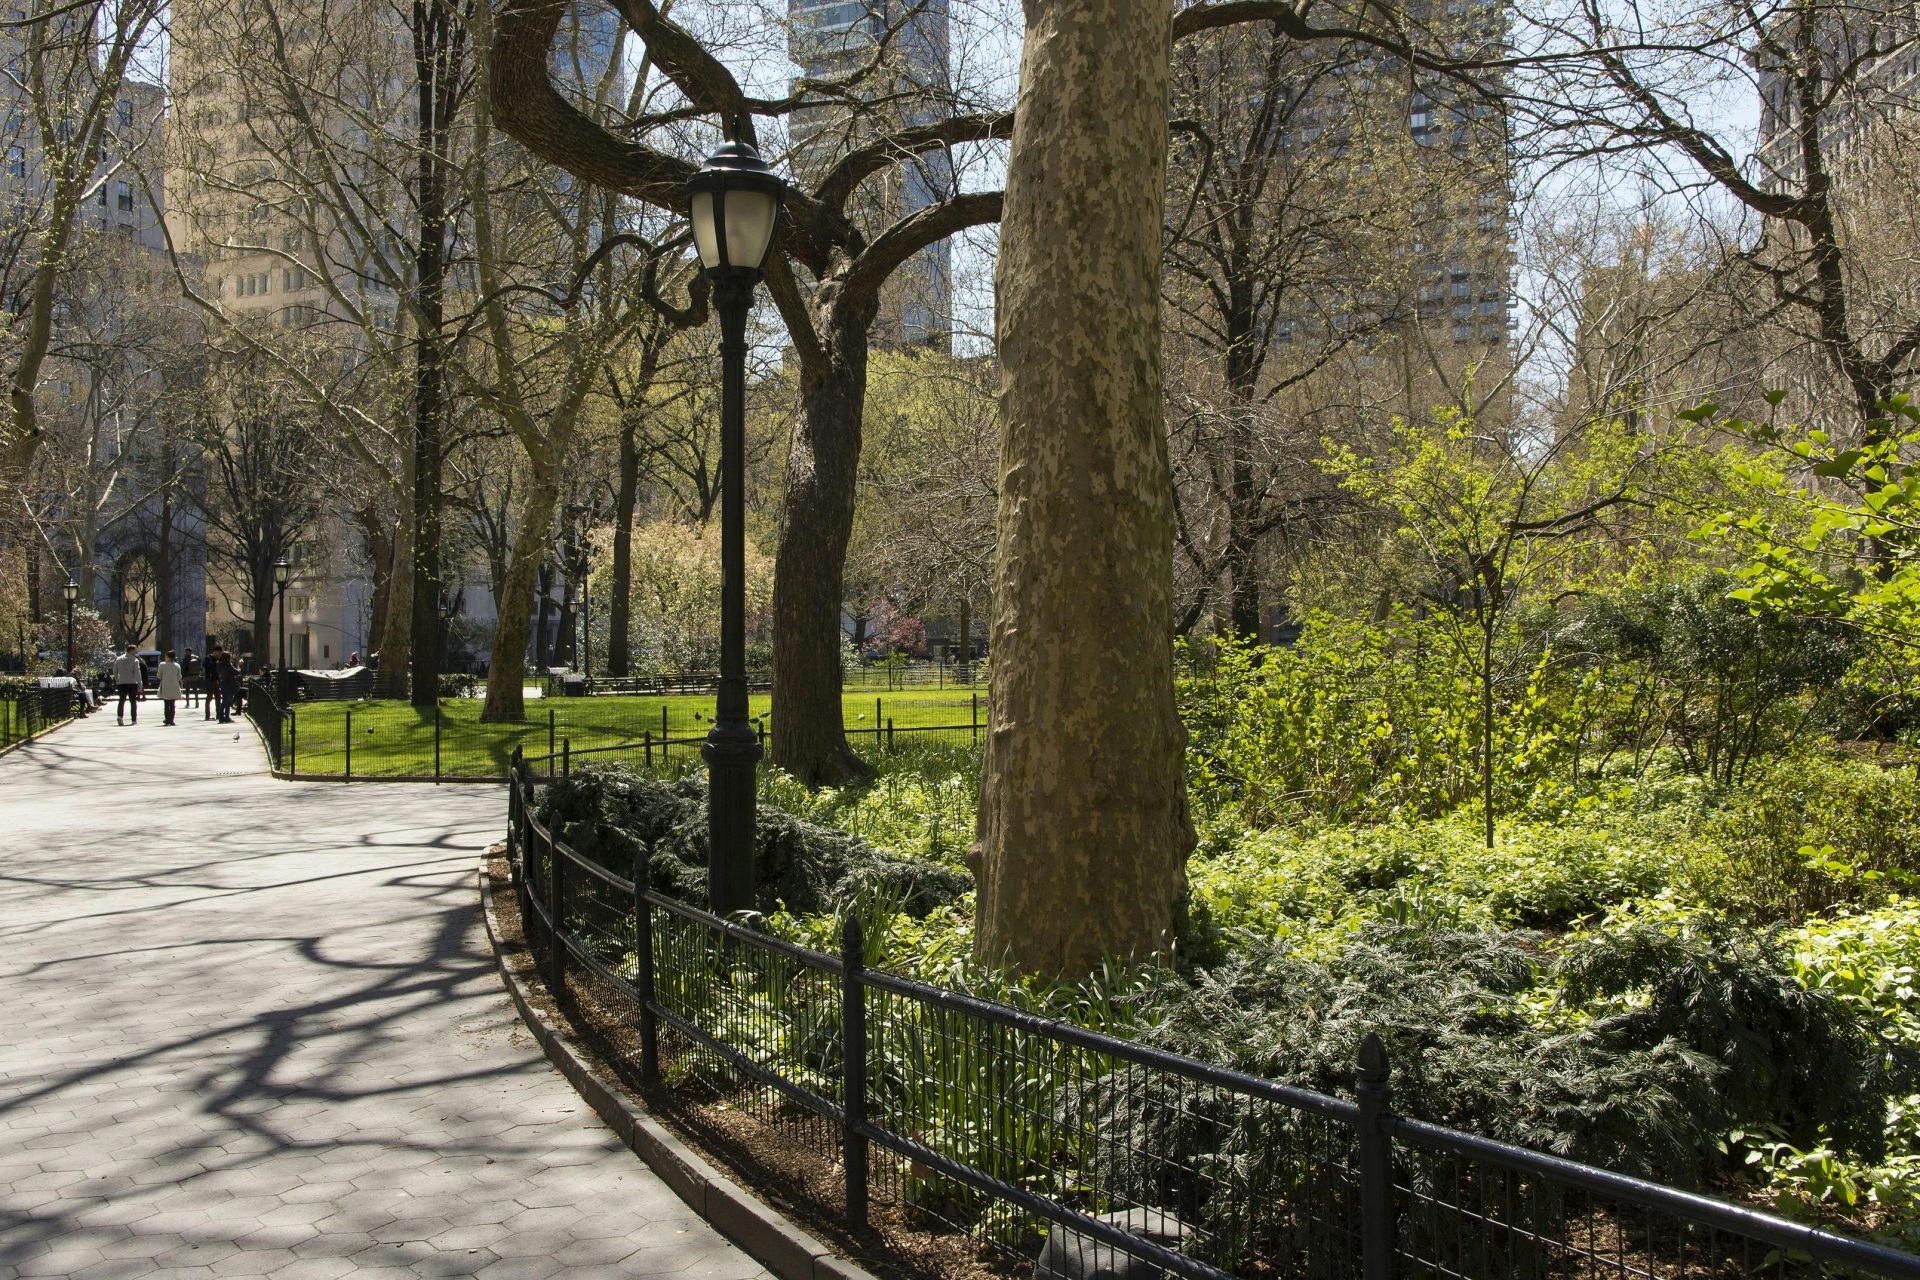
pixel 170 682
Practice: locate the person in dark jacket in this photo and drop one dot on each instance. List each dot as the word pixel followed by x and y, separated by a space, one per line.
pixel 190 676
pixel 230 674
pixel 211 678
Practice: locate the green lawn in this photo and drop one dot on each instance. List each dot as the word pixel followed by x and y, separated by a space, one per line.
pixel 393 738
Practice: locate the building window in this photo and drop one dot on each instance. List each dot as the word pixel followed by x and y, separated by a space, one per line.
pixel 16 163
pixel 123 112
pixel 123 196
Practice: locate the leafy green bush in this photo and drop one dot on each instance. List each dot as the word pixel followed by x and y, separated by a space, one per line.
pixel 1789 1056
pixel 1438 873
pixel 1683 664
pixel 1362 722
pixel 622 819
pixel 1459 1013
pixel 1808 833
pixel 458 684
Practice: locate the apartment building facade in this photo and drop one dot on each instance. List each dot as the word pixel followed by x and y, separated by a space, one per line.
pixel 902 50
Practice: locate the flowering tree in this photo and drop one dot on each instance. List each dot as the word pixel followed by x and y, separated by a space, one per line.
pixel 92 638
pixel 675 621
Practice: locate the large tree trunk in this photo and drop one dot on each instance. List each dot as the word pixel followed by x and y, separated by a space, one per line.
pixel 164 553
pixel 379 548
pixel 396 637
pixel 966 639
pixel 261 624
pixel 438 45
pixel 507 668
pixel 808 731
pixel 620 610
pixel 1242 376
pixel 542 638
pixel 1084 832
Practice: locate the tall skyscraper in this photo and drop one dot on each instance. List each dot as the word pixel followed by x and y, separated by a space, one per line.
pixel 834 38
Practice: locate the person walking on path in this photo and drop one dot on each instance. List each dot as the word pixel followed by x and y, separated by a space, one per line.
pixel 130 679
pixel 229 686
pixel 169 686
pixel 190 675
pixel 210 677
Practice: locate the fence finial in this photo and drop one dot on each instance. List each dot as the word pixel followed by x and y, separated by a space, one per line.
pixel 1373 1061
pixel 853 941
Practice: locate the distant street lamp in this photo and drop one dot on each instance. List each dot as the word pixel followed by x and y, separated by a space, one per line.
pixel 571 608
pixel 72 592
pixel 735 202
pixel 282 574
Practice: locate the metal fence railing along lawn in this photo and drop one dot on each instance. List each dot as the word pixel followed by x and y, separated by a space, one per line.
pixel 333 743
pixel 27 711
pixel 965 1115
pixel 874 675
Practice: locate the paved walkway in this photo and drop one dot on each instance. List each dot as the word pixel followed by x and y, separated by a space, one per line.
pixel 252 1028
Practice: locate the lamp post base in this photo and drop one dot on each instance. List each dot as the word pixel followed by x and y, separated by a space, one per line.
pixel 732 753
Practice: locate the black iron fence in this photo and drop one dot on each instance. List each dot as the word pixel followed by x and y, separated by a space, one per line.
pixel 27 711
pixel 273 721
pixel 873 675
pixel 337 743
pixel 1068 1152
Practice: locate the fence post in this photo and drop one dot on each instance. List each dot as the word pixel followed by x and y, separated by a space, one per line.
pixel 889 733
pixel 566 757
pixel 513 808
pixel 436 742
pixel 663 732
pixel 550 744
pixel 643 975
pixel 517 835
pixel 853 1093
pixel 556 930
pixel 1374 1092
pixel 293 745
pixel 348 777
pixel 878 717
pixel 647 742
pixel 976 719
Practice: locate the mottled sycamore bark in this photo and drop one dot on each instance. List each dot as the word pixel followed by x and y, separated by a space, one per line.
pixel 1084 830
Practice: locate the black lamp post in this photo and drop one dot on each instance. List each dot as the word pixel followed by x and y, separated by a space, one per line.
pixel 571 608
pixel 72 592
pixel 735 202
pixel 282 574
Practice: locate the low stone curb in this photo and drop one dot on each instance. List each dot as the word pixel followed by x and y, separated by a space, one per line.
pixel 283 775
pixel 782 1247
pixel 18 743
